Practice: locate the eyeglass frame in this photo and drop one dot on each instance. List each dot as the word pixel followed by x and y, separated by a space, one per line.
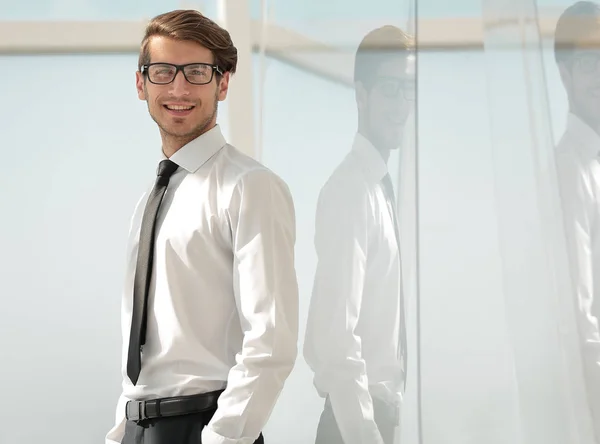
pixel 144 70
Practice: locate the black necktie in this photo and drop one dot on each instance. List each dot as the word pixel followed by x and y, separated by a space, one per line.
pixel 143 269
pixel 389 192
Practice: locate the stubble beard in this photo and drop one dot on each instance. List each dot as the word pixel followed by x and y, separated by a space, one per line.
pixel 199 129
pixel 380 141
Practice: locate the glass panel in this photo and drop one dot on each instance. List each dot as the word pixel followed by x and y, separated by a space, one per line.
pixel 522 146
pixel 309 129
pixel 96 9
pixel 467 376
pixel 295 13
pixel 574 111
pixel 303 142
pixel 339 23
pixel 545 166
pixel 551 6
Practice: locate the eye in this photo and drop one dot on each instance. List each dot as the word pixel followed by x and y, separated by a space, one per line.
pixel 198 70
pixel 161 70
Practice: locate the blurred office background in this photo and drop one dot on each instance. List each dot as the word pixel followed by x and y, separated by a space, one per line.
pixel 78 148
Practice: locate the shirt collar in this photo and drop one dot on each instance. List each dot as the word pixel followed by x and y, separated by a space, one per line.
pixel 197 152
pixel 369 158
pixel 590 140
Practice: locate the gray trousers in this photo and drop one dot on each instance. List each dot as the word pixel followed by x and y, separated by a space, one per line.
pixel 385 418
pixel 184 429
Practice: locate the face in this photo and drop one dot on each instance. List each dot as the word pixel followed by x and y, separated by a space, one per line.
pixel 386 104
pixel 182 110
pixel 581 77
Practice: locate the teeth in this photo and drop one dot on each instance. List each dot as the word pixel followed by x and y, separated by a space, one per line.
pixel 179 107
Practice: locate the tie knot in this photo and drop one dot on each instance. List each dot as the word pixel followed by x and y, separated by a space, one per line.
pixel 166 168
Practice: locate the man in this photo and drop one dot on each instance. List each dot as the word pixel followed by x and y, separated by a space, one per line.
pixel 577 53
pixel 210 307
pixel 356 339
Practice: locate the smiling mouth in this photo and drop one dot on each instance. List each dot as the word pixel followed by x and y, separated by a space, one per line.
pixel 178 107
pixel 179 110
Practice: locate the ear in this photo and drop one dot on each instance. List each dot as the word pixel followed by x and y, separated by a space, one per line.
pixel 223 86
pixel 361 95
pixel 139 85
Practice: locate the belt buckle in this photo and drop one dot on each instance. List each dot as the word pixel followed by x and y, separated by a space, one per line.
pixel 142 411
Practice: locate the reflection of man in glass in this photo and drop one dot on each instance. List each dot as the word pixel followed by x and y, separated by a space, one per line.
pixel 356 338
pixel 577 53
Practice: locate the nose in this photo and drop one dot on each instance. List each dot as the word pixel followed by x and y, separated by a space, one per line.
pixel 179 85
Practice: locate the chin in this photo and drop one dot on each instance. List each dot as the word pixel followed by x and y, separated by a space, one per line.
pixel 394 142
pixel 595 114
pixel 175 131
pixel 590 115
pixel 178 132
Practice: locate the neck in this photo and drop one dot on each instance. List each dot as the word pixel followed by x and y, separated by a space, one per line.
pixel 383 151
pixel 171 143
pixel 593 123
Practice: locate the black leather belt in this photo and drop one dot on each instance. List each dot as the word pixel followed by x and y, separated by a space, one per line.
pixel 175 406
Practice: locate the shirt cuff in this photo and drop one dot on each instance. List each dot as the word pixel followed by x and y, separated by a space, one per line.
pixel 209 436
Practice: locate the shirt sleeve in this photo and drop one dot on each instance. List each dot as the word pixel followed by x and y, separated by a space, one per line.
pixel 263 228
pixel 578 207
pixel 332 346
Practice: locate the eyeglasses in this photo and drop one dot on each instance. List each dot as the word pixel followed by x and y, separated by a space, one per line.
pixel 392 86
pixel 194 73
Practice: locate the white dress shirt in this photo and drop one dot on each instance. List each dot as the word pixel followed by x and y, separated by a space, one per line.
pixel 577 159
pixel 223 301
pixel 352 337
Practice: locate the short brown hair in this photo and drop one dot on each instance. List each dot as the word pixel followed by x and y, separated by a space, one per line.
pixel 378 46
pixel 191 25
pixel 577 27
